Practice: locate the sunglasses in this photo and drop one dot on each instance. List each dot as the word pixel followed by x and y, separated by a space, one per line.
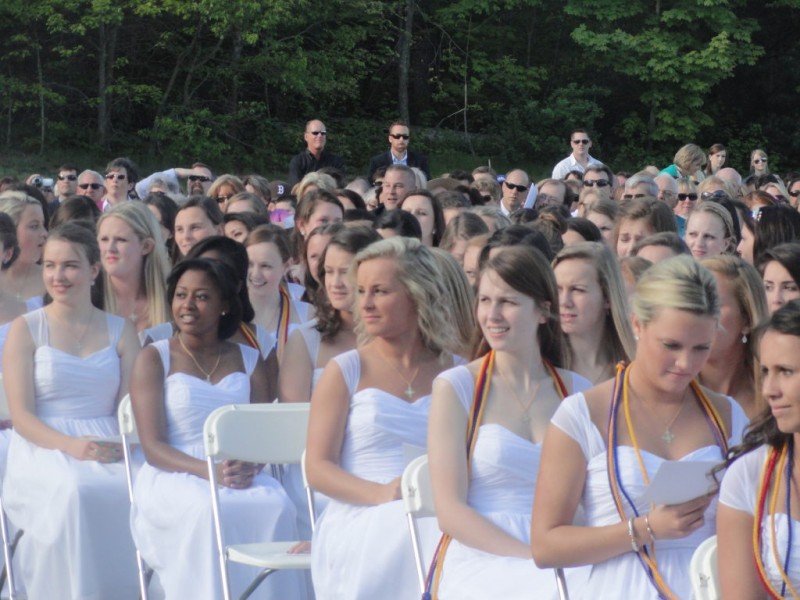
pixel 316 133
pixel 581 142
pixel 86 186
pixel 597 182
pixel 683 197
pixel 513 186
pixel 202 178
pixel 715 194
pixel 758 161
pixel 632 196
pixel 224 199
pixel 794 193
pixel 397 136
pixel 117 176
pixel 67 177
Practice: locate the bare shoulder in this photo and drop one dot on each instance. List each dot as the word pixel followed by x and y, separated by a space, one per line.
pixel 721 403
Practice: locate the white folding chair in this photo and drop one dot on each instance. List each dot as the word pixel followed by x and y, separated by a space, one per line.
pixel 257 433
pixel 312 508
pixel 9 544
pixel 415 486
pixel 704 571
pixel 127 429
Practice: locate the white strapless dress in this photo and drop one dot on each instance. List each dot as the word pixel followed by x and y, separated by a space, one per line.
pixel 171 518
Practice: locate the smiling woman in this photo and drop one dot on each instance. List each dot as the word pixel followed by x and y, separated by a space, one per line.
pixel 368 404
pixel 176 384
pixel 66 366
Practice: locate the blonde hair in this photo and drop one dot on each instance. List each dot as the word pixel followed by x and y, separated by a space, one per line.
pixel 617 332
pixel 419 273
pixel 689 154
pixel 721 213
pixel 155 264
pixel 678 282
pixel 460 293
pixel 748 290
pixel 321 180
pixel 13 203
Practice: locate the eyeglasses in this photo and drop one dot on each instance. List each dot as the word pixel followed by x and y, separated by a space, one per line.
pixel 86 186
pixel 397 136
pixel 316 133
pixel 596 182
pixel 202 178
pixel 67 177
pixel 683 197
pixel 513 186
pixel 632 196
pixel 117 176
pixel 546 200
pixel 224 199
pixel 581 142
pixel 714 194
pixel 758 161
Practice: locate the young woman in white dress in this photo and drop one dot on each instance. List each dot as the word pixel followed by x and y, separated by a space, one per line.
pixel 758 528
pixel 368 405
pixel 604 446
pixel 135 264
pixel 593 310
pixel 10 306
pixel 314 343
pixel 484 496
pixel 269 256
pixel 66 367
pixel 176 384
pixel 23 279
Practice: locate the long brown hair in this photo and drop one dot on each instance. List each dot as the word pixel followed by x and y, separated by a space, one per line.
pixel 527 271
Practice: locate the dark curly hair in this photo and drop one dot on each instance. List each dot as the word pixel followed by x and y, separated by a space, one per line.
pixel 225 280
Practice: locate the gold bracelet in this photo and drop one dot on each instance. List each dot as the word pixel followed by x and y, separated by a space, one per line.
pixel 647 526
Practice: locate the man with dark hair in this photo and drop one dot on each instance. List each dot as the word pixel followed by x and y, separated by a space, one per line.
pixel 121 175
pixel 67 181
pixel 398 153
pixel 314 157
pixel 579 159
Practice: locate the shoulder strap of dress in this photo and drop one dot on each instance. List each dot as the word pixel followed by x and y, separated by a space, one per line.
pixel 115 325
pixel 37 325
pixel 163 351
pixel 350 364
pixel 250 358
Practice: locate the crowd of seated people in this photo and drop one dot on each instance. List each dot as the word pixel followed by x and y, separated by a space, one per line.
pixel 554 348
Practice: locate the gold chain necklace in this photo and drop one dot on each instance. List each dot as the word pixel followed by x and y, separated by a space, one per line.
pixel 526 417
pixel 667 436
pixel 208 374
pixel 409 391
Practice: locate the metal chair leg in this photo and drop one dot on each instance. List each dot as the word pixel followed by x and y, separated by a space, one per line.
pixel 255 583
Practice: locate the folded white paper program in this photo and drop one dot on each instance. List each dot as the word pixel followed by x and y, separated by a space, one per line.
pixel 679 481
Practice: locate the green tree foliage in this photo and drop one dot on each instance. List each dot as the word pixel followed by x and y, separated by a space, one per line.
pixel 232 83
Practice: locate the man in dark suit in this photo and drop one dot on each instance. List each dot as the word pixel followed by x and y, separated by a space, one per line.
pixel 66 186
pixel 398 153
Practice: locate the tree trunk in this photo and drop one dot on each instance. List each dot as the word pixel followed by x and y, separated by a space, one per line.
pixel 405 62
pixel 42 121
pixel 105 75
